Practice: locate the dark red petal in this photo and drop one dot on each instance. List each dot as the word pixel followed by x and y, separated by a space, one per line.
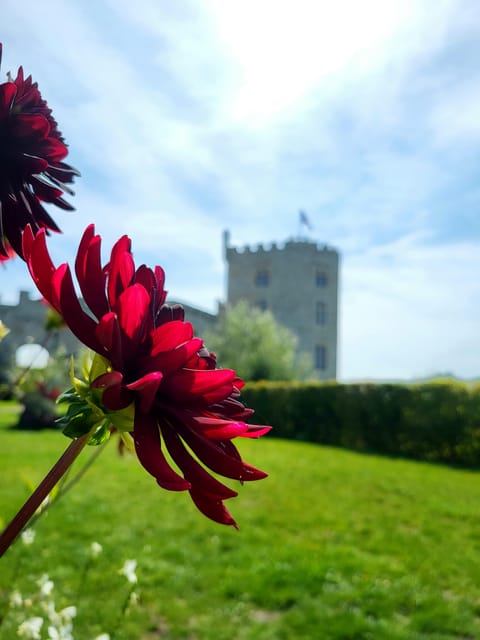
pixel 226 431
pixel 191 469
pixel 146 387
pixel 171 361
pixel 53 149
pixel 256 431
pixel 215 456
pixel 132 308
pixel 169 335
pixel 109 336
pixel 146 437
pixel 7 95
pixel 121 269
pixel 197 387
pixel 144 276
pixel 25 125
pixel 30 164
pixel 211 507
pixel 90 275
pixel 62 171
pixel 115 397
pixel 42 268
pixel 63 204
pixel 44 190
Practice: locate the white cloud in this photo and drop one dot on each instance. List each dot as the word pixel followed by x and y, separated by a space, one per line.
pixel 410 308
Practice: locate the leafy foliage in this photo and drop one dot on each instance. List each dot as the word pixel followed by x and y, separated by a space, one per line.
pixel 436 421
pixel 256 346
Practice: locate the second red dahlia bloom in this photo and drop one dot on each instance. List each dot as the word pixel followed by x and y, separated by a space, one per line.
pixel 154 362
pixel 32 170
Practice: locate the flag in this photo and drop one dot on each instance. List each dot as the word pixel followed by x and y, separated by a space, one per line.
pixel 304 220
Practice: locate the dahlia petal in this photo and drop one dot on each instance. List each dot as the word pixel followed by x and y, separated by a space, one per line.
pixel 63 204
pixel 8 92
pixel 31 164
pixel 108 379
pixel 146 387
pixel 54 149
pixel 144 276
pixel 169 313
pixel 226 431
pixel 41 267
pixel 40 216
pixel 199 387
pixel 62 171
pixel 89 272
pixel 27 239
pixel 26 125
pixel 169 335
pixel 109 336
pixel 121 269
pixel 256 431
pixel 222 429
pixel 231 408
pixel 170 361
pixel 132 309
pixel 215 457
pixel 44 190
pixel 115 397
pixel 191 469
pixel 146 437
pixel 211 507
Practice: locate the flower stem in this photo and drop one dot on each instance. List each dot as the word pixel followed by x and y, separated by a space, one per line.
pixel 13 529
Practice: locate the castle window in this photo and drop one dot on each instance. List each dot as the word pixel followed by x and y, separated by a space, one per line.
pixel 320 357
pixel 262 278
pixel 321 279
pixel 262 305
pixel 321 313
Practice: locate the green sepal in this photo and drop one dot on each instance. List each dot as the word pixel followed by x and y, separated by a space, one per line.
pixel 86 413
pixel 101 434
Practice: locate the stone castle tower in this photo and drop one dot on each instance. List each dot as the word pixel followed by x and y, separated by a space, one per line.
pixel 298 283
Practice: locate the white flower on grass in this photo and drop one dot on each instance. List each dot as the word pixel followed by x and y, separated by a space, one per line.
pixel 27 536
pixel 46 585
pixel 128 570
pixel 49 609
pixel 103 636
pixel 16 599
pixel 64 632
pixel 30 628
pixel 68 613
pixel 61 622
pixel 95 549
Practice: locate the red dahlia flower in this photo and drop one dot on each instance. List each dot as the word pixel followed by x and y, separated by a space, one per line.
pixel 180 399
pixel 31 168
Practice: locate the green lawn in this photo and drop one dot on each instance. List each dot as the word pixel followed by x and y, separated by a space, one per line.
pixel 332 545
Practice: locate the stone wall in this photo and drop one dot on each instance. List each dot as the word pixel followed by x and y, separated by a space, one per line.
pixel 298 283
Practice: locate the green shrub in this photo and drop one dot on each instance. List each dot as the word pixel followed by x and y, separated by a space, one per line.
pixel 436 421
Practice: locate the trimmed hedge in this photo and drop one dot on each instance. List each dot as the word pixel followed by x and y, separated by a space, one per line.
pixel 435 421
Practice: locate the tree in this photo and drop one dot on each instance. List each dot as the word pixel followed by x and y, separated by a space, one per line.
pixel 256 346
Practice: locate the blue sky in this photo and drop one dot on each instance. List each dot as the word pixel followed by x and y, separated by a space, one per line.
pixel 190 117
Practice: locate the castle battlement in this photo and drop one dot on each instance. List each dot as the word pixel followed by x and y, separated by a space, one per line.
pixel 296 280
pixel 288 246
